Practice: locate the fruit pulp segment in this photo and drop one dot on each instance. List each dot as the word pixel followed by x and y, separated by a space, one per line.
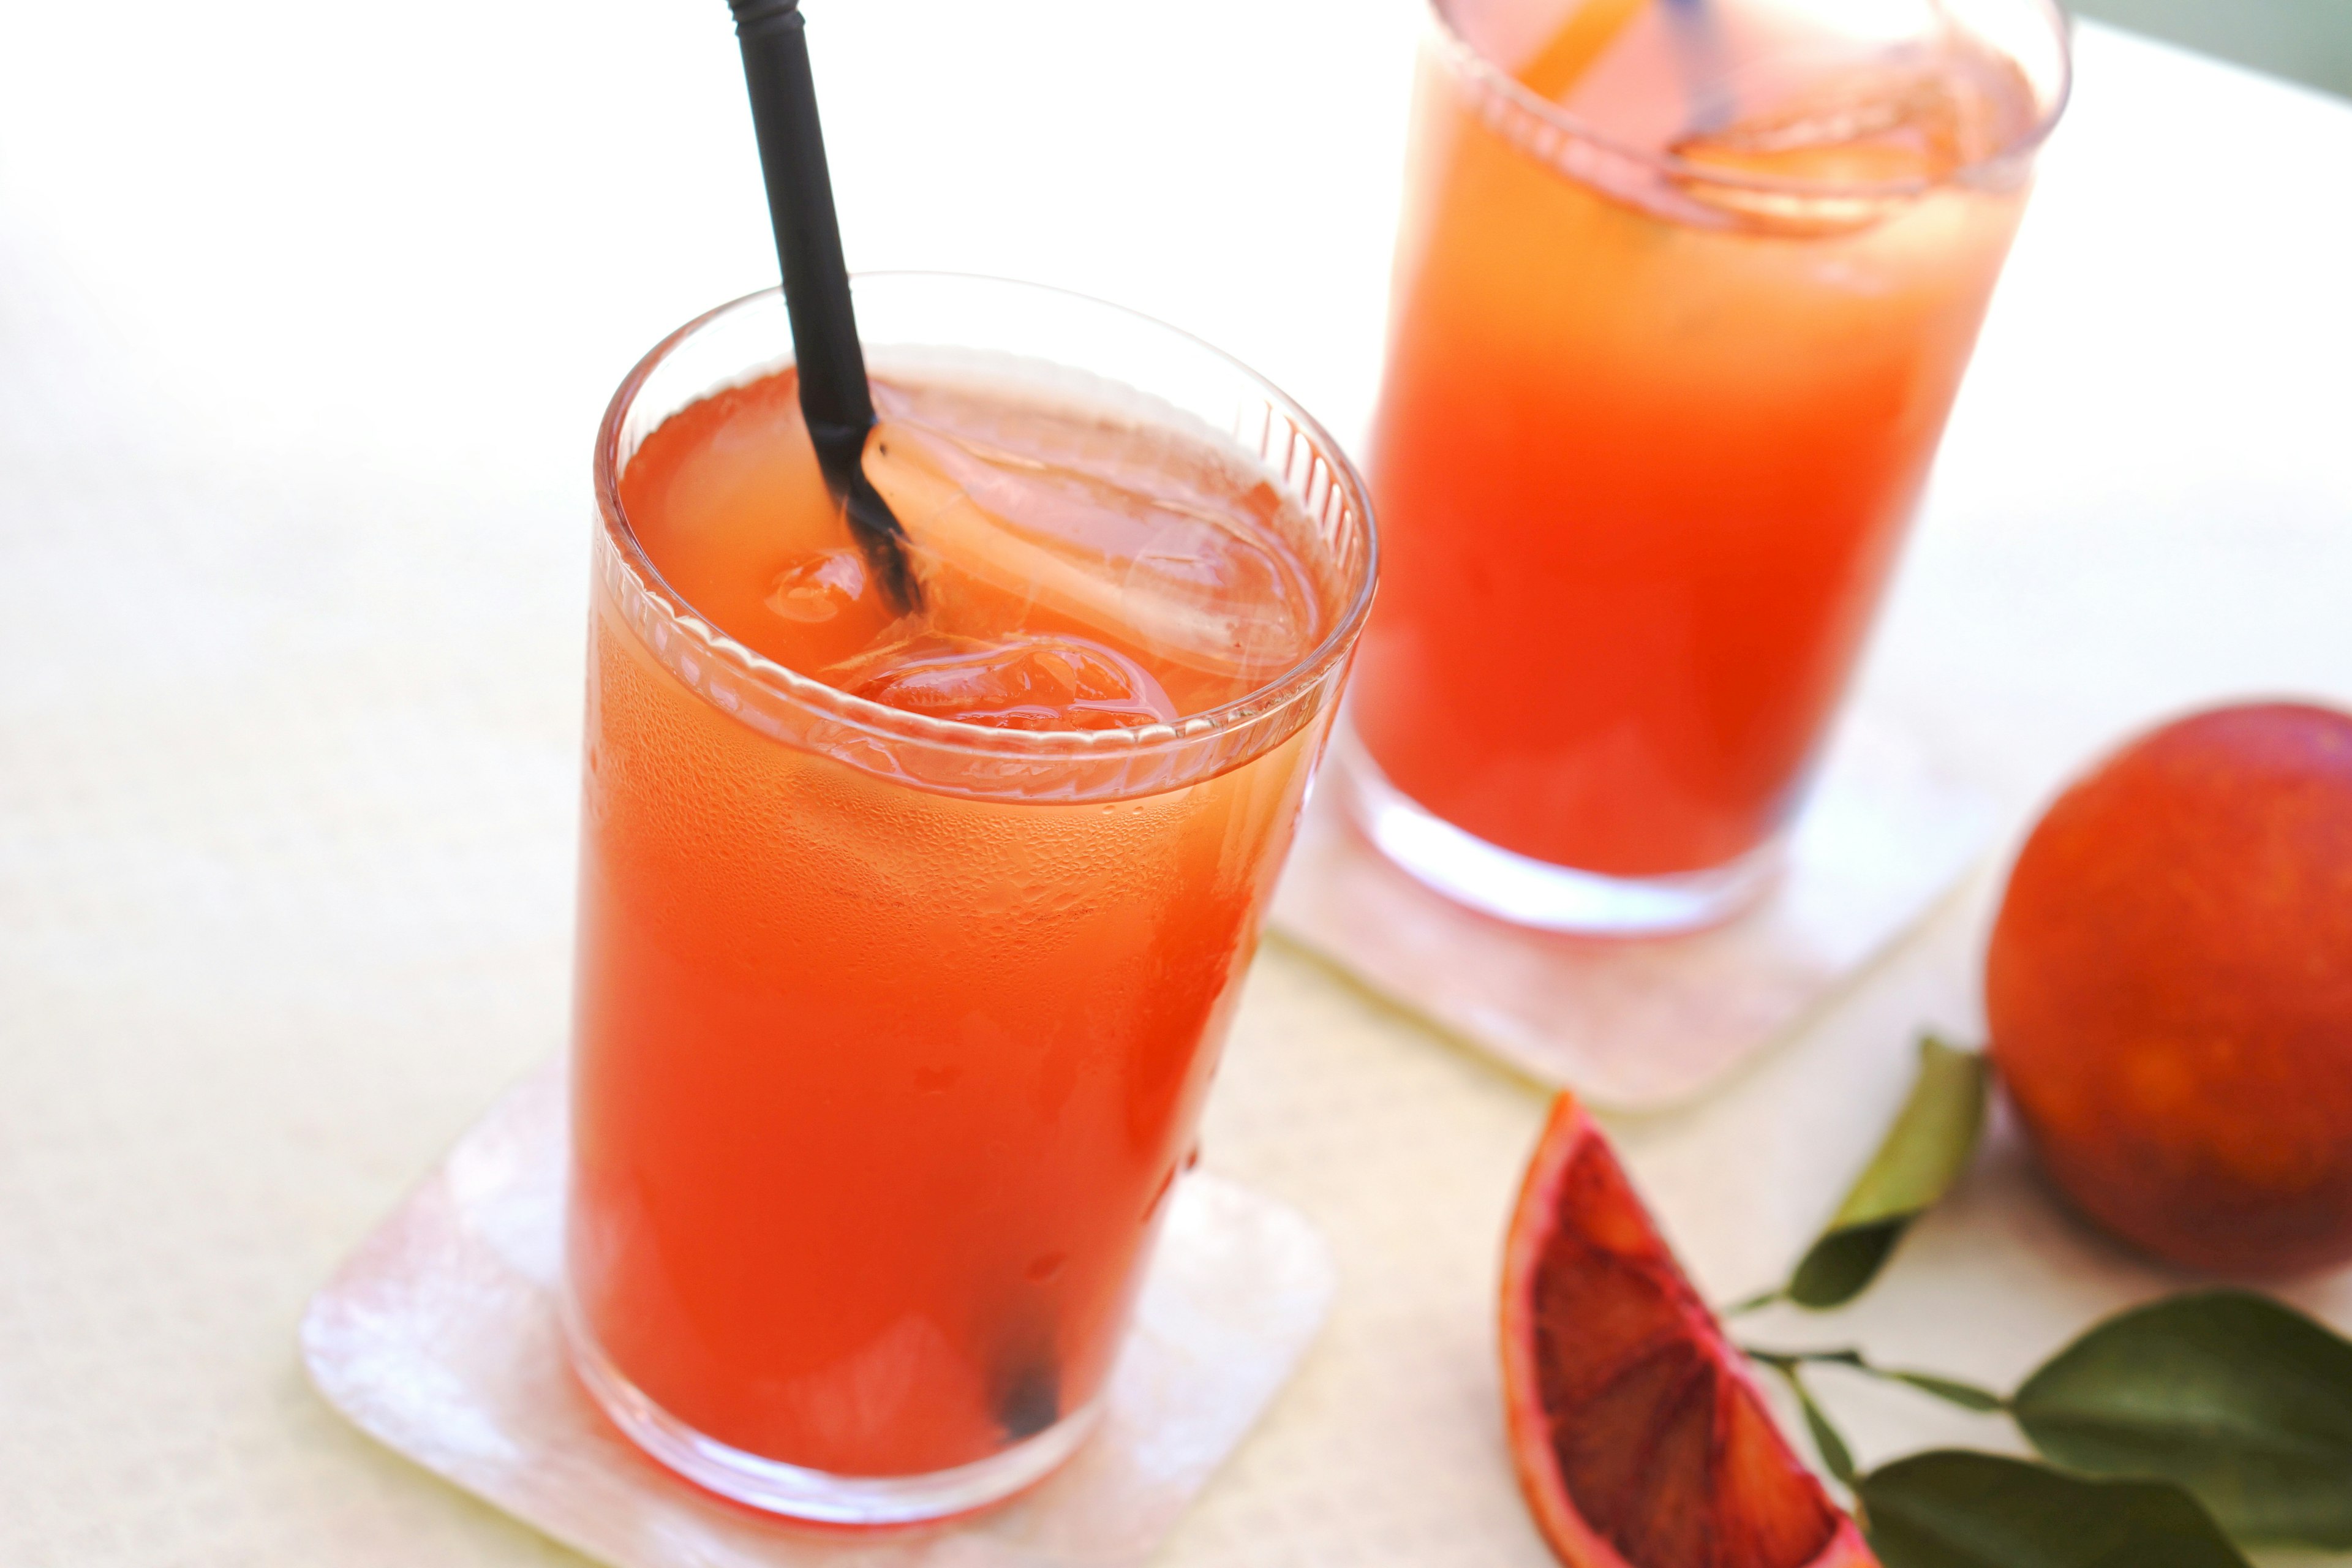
pixel 1644 450
pixel 880 1091
pixel 1662 1445
pixel 1641 1439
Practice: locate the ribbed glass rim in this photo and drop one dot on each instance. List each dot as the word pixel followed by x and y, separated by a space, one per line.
pixel 981 739
pixel 1465 58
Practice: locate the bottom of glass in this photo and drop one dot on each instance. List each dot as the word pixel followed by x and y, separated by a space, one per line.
pixel 1531 892
pixel 796 1492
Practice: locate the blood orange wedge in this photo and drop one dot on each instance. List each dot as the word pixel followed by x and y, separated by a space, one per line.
pixel 1642 1439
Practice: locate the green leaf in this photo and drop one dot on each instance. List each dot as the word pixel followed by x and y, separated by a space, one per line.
pixel 1954 1509
pixel 1827 1440
pixel 2244 1402
pixel 1924 1154
pixel 1966 1395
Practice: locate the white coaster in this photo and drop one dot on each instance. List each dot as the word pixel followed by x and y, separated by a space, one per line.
pixel 439 1338
pixel 1638 1024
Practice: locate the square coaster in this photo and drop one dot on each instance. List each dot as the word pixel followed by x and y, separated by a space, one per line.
pixel 1641 1023
pixel 439 1338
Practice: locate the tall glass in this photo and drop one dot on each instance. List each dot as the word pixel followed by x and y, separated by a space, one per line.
pixel 1659 402
pixel 892 1030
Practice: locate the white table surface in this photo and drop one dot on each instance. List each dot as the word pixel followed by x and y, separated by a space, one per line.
pixel 305 316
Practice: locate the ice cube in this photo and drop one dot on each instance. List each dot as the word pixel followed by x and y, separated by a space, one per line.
pixel 1917 111
pixel 1013 683
pixel 1903 120
pixel 1017 517
pixel 819 588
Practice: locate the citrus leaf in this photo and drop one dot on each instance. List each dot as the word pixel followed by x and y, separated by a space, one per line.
pixel 1966 1395
pixel 2244 1402
pixel 1828 1441
pixel 1955 1509
pixel 1923 1154
pixel 1951 1390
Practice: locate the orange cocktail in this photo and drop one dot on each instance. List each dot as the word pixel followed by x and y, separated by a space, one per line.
pixel 906 942
pixel 1683 291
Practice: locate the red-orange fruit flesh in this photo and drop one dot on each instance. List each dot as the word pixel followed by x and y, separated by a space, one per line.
pixel 1641 1438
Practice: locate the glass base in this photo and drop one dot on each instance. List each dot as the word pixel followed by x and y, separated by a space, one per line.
pixel 795 1492
pixel 1531 892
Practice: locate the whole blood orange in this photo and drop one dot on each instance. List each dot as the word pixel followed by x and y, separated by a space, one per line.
pixel 2169 990
pixel 1642 1440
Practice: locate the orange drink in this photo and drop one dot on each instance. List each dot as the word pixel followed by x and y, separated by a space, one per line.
pixel 908 939
pixel 1682 294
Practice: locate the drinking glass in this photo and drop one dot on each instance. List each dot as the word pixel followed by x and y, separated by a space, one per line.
pixel 1653 421
pixel 892 1031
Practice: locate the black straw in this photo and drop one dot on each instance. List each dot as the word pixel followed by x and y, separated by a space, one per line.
pixel 835 400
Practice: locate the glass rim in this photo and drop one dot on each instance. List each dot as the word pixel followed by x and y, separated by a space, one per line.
pixel 1256 706
pixel 1466 58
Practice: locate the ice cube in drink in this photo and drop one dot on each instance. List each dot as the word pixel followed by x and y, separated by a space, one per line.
pixel 1152 571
